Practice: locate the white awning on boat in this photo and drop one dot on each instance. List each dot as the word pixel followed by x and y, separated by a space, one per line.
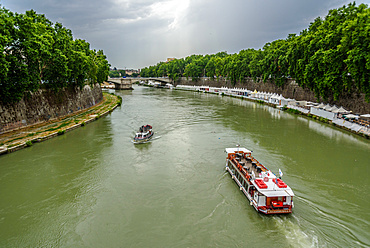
pixel 277 193
pixel 236 149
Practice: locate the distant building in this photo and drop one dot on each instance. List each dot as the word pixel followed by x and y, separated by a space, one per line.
pixel 129 72
pixel 170 59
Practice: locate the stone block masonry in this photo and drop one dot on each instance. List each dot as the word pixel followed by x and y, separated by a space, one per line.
pixel 44 105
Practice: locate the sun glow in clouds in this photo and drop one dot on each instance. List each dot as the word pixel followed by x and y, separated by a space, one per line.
pixel 174 10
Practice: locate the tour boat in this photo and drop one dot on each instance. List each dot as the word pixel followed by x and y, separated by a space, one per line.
pixel 267 193
pixel 145 134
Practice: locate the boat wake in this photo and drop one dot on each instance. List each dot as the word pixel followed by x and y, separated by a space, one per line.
pixel 293 233
pixel 154 138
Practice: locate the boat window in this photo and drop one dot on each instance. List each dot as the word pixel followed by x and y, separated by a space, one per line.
pixel 262 200
pixel 251 190
pixel 255 196
pixel 245 183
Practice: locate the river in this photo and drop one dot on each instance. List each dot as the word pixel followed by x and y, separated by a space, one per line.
pixel 93 187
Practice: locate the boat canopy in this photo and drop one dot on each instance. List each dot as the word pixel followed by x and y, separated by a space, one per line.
pixel 236 149
pixel 272 190
pixel 142 135
pixel 277 193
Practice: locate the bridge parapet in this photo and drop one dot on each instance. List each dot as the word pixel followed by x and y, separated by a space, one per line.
pixel 126 83
pixel 161 80
pixel 121 83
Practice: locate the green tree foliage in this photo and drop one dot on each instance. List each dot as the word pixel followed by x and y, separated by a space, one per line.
pixel 38 54
pixel 330 58
pixel 117 73
pixel 102 66
pixel 274 63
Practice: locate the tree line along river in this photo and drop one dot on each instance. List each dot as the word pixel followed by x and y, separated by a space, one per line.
pixel 94 188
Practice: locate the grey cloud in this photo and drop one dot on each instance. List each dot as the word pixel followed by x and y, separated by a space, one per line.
pixel 131 37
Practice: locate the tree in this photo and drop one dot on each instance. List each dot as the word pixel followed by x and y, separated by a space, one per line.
pixel 356 43
pixel 79 63
pixel 103 67
pixel 194 69
pixel 10 69
pixel 36 53
pixel 57 73
pixel 174 70
pixel 162 70
pixel 211 67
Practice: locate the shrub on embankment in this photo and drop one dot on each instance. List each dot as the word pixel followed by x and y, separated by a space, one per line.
pixel 37 54
pixel 119 103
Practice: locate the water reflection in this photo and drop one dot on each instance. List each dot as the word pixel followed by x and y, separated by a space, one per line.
pixel 333 133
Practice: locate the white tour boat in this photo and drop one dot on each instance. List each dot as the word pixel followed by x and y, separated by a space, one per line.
pixel 267 193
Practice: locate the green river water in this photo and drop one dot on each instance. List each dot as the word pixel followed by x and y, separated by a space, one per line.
pixel 93 187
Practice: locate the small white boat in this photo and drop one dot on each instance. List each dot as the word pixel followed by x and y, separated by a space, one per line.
pixel 145 134
pixel 267 193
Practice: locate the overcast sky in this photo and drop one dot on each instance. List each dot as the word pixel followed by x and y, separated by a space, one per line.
pixel 139 33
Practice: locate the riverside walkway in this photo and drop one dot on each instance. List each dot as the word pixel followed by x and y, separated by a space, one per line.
pixel 23 137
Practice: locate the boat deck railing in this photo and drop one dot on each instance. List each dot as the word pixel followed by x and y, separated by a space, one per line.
pixel 250 164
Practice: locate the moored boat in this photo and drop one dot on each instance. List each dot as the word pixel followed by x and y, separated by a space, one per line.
pixel 267 193
pixel 145 134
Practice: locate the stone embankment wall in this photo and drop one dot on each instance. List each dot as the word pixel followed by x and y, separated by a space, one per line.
pixel 44 105
pixel 355 102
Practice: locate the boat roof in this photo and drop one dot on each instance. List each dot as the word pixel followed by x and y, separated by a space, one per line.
pixel 143 133
pixel 287 192
pixel 272 189
pixel 237 149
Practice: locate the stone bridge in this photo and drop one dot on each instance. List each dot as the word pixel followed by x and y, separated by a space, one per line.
pixel 126 83
pixel 122 83
pixel 162 80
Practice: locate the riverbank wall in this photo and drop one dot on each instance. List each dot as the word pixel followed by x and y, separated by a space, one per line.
pixel 355 101
pixel 45 105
